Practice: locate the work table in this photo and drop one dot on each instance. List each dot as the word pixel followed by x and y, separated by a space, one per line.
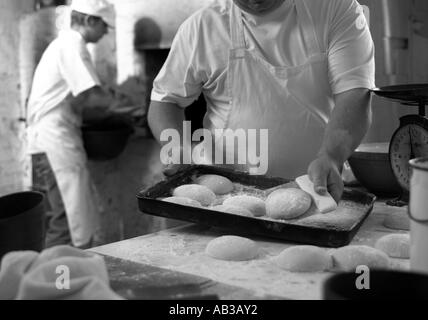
pixel 179 252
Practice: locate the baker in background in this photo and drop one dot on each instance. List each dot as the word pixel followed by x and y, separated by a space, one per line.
pixel 64 84
pixel 299 68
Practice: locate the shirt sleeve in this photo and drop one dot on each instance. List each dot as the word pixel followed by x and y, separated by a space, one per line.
pixel 76 67
pixel 350 48
pixel 180 81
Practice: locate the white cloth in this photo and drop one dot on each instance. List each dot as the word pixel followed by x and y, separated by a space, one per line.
pixel 65 70
pixel 199 57
pixel 58 273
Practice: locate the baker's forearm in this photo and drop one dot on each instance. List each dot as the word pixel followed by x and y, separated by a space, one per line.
pixel 348 125
pixel 164 116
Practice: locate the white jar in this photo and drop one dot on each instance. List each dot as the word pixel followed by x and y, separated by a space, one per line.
pixel 418 211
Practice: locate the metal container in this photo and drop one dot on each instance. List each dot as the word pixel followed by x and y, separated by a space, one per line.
pixel 370 165
pixel 418 211
pixel 105 140
pixel 384 285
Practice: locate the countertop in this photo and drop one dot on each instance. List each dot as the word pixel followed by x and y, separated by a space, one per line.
pixel 178 255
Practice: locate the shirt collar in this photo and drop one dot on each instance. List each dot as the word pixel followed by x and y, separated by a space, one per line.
pixel 272 16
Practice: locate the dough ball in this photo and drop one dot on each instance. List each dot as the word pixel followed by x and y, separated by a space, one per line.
pixel 255 205
pixel 218 184
pixel 397 221
pixel 395 245
pixel 195 192
pixel 232 248
pixel 183 201
pixel 350 257
pixel 304 259
pixel 240 211
pixel 287 203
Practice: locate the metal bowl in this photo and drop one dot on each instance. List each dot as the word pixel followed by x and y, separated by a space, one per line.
pixel 382 285
pixel 105 140
pixel 370 166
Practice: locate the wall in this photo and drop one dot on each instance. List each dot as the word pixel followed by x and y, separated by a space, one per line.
pixel 407 65
pixel 419 37
pixel 13 164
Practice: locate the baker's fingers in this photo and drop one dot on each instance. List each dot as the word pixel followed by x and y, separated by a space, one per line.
pixel 335 188
pixel 170 169
pixel 336 192
pixel 319 179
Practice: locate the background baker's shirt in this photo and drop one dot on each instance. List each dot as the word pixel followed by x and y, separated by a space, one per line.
pixel 199 57
pixel 65 70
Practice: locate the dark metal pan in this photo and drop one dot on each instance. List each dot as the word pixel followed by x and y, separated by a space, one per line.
pixel 355 205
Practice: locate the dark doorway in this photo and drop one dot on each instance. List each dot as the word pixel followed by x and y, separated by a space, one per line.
pixel 40 4
pixel 154 60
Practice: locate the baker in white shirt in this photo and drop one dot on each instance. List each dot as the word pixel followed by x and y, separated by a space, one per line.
pixel 299 68
pixel 64 82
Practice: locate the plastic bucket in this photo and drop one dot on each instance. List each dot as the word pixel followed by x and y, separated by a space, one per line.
pixel 22 222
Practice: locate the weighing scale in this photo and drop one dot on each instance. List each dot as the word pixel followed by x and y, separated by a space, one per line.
pixel 410 140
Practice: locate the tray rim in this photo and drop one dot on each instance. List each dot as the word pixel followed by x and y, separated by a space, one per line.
pixel 409 94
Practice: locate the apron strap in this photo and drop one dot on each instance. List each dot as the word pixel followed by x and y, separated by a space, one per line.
pixel 308 27
pixel 236 27
pixel 303 16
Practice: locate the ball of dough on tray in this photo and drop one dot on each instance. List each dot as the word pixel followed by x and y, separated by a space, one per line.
pixel 232 248
pixel 350 257
pixel 183 201
pixel 255 205
pixel 397 221
pixel 304 259
pixel 218 184
pixel 287 203
pixel 395 245
pixel 240 211
pixel 195 192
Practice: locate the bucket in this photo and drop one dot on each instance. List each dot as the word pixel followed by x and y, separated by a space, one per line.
pixel 105 140
pixel 22 222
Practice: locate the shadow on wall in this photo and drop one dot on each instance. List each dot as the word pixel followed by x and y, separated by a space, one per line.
pixel 147 34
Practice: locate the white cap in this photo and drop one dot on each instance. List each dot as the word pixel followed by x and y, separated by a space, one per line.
pixel 97 8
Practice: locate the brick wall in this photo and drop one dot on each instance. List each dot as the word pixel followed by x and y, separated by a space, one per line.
pixel 13 166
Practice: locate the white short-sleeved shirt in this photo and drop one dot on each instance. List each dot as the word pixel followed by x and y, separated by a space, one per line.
pixel 198 59
pixel 65 68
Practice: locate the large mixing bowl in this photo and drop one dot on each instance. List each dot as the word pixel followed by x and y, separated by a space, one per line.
pixel 371 167
pixel 105 140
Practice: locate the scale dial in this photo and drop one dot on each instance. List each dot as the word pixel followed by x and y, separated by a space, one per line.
pixel 409 141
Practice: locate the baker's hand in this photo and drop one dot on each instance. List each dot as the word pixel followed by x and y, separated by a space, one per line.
pixel 171 161
pixel 326 176
pixel 171 169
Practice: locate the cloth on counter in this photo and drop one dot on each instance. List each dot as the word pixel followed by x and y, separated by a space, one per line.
pixel 28 275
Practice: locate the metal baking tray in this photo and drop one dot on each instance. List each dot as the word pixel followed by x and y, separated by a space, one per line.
pixel 333 229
